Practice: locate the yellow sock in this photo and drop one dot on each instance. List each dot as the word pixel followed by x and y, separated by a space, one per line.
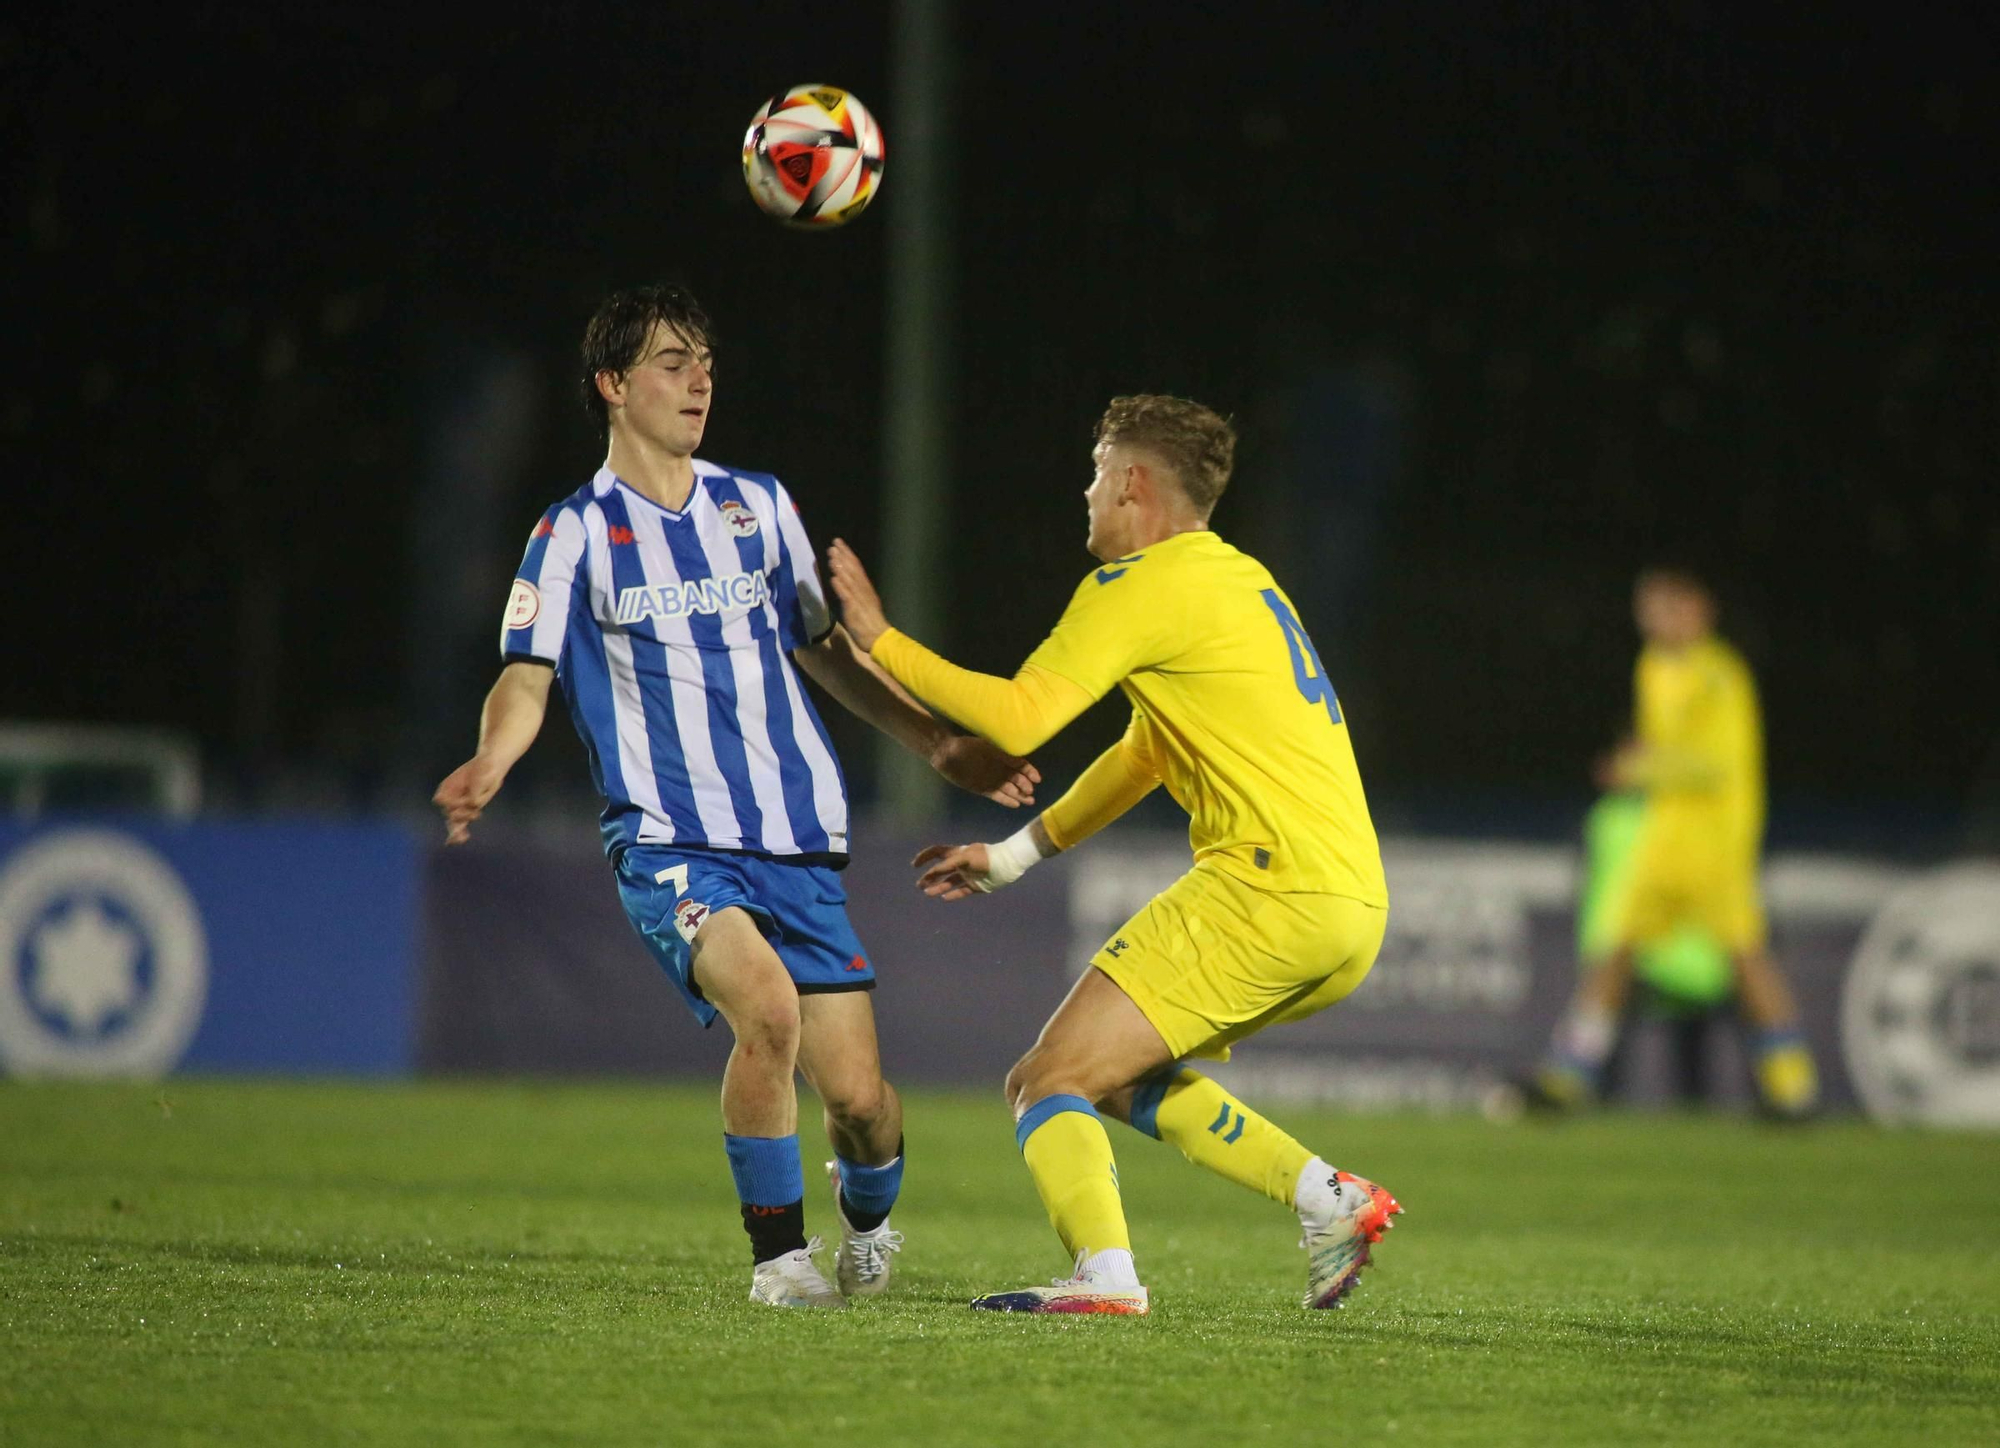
pixel 1789 1081
pixel 1213 1129
pixel 1069 1156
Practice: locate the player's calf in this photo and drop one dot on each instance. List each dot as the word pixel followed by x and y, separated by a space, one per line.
pixel 1215 1130
pixel 864 1125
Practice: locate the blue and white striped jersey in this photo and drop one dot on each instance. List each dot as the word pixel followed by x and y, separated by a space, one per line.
pixel 670 634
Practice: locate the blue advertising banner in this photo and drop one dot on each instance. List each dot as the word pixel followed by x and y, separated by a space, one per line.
pixel 139 948
pixel 532 967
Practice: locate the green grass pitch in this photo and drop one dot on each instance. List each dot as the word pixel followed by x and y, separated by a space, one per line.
pixel 216 1262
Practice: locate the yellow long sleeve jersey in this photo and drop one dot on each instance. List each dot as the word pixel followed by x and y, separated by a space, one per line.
pixel 1231 710
pixel 1702 745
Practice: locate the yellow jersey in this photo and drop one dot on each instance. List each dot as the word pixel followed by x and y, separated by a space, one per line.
pixel 1701 741
pixel 1231 710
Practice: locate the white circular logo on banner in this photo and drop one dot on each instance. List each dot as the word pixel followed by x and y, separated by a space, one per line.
pixel 1921 1015
pixel 103 960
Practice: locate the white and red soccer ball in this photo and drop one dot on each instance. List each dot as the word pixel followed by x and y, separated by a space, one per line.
pixel 813 156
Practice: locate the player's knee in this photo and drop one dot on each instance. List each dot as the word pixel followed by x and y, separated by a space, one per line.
pixel 857 1104
pixel 1030 1080
pixel 1016 1082
pixel 768 1025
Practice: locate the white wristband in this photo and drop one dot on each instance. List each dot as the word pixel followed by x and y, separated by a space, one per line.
pixel 1008 861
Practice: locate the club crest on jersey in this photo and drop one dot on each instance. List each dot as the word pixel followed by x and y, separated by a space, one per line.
pixel 734 592
pixel 739 519
pixel 524 604
pixel 688 916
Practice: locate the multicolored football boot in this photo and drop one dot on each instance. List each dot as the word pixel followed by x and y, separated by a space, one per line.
pixel 1337 1246
pixel 1080 1292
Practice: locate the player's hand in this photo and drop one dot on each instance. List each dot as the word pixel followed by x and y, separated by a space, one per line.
pixel 955 872
pixel 1618 769
pixel 464 795
pixel 860 604
pixel 981 767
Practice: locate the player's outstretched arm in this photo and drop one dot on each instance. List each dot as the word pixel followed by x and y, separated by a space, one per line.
pixel 1118 779
pixel 508 724
pixel 842 668
pixel 1018 714
pixel 956 871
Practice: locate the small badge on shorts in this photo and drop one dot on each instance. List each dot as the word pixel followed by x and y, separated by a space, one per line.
pixel 688 917
pixel 1263 858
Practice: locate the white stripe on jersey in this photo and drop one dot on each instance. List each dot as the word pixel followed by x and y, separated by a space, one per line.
pixel 805 569
pixel 764 503
pixel 829 799
pixel 558 578
pixel 635 750
pixel 767 785
pixel 690 694
pixel 829 795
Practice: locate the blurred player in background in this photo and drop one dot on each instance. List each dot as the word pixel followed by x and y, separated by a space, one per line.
pixel 1683 981
pixel 1698 757
pixel 670 599
pixel 1284 909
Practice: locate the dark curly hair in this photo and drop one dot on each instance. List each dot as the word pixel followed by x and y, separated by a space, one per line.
pixel 617 335
pixel 1199 445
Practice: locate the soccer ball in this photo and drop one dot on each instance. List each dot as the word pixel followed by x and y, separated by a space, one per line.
pixel 813 156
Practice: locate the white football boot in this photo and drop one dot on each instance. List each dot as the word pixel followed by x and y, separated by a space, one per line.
pixel 1341 1221
pixel 1079 1292
pixel 794 1281
pixel 861 1262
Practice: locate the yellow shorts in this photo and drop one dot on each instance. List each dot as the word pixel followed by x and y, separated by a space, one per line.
pixel 1721 896
pixel 1211 959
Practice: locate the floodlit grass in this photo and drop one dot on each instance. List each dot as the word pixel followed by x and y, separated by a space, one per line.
pixel 524 1263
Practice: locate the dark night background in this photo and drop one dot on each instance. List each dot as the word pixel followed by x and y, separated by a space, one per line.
pixel 1508 299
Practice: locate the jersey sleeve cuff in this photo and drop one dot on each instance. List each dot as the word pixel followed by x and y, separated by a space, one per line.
pixel 1057 835
pixel 520 656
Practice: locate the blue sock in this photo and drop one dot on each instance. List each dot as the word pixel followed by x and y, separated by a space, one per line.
pixel 1766 1040
pixel 868 1192
pixel 771 1184
pixel 766 1169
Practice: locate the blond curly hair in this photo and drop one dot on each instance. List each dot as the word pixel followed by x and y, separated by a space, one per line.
pixel 1198 444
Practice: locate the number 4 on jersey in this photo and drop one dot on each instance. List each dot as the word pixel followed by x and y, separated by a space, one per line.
pixel 1314 686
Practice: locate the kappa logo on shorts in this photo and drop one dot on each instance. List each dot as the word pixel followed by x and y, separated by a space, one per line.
pixel 524 604
pixel 739 519
pixel 688 918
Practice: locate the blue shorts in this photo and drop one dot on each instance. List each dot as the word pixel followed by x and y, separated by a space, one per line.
pixel 801 909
